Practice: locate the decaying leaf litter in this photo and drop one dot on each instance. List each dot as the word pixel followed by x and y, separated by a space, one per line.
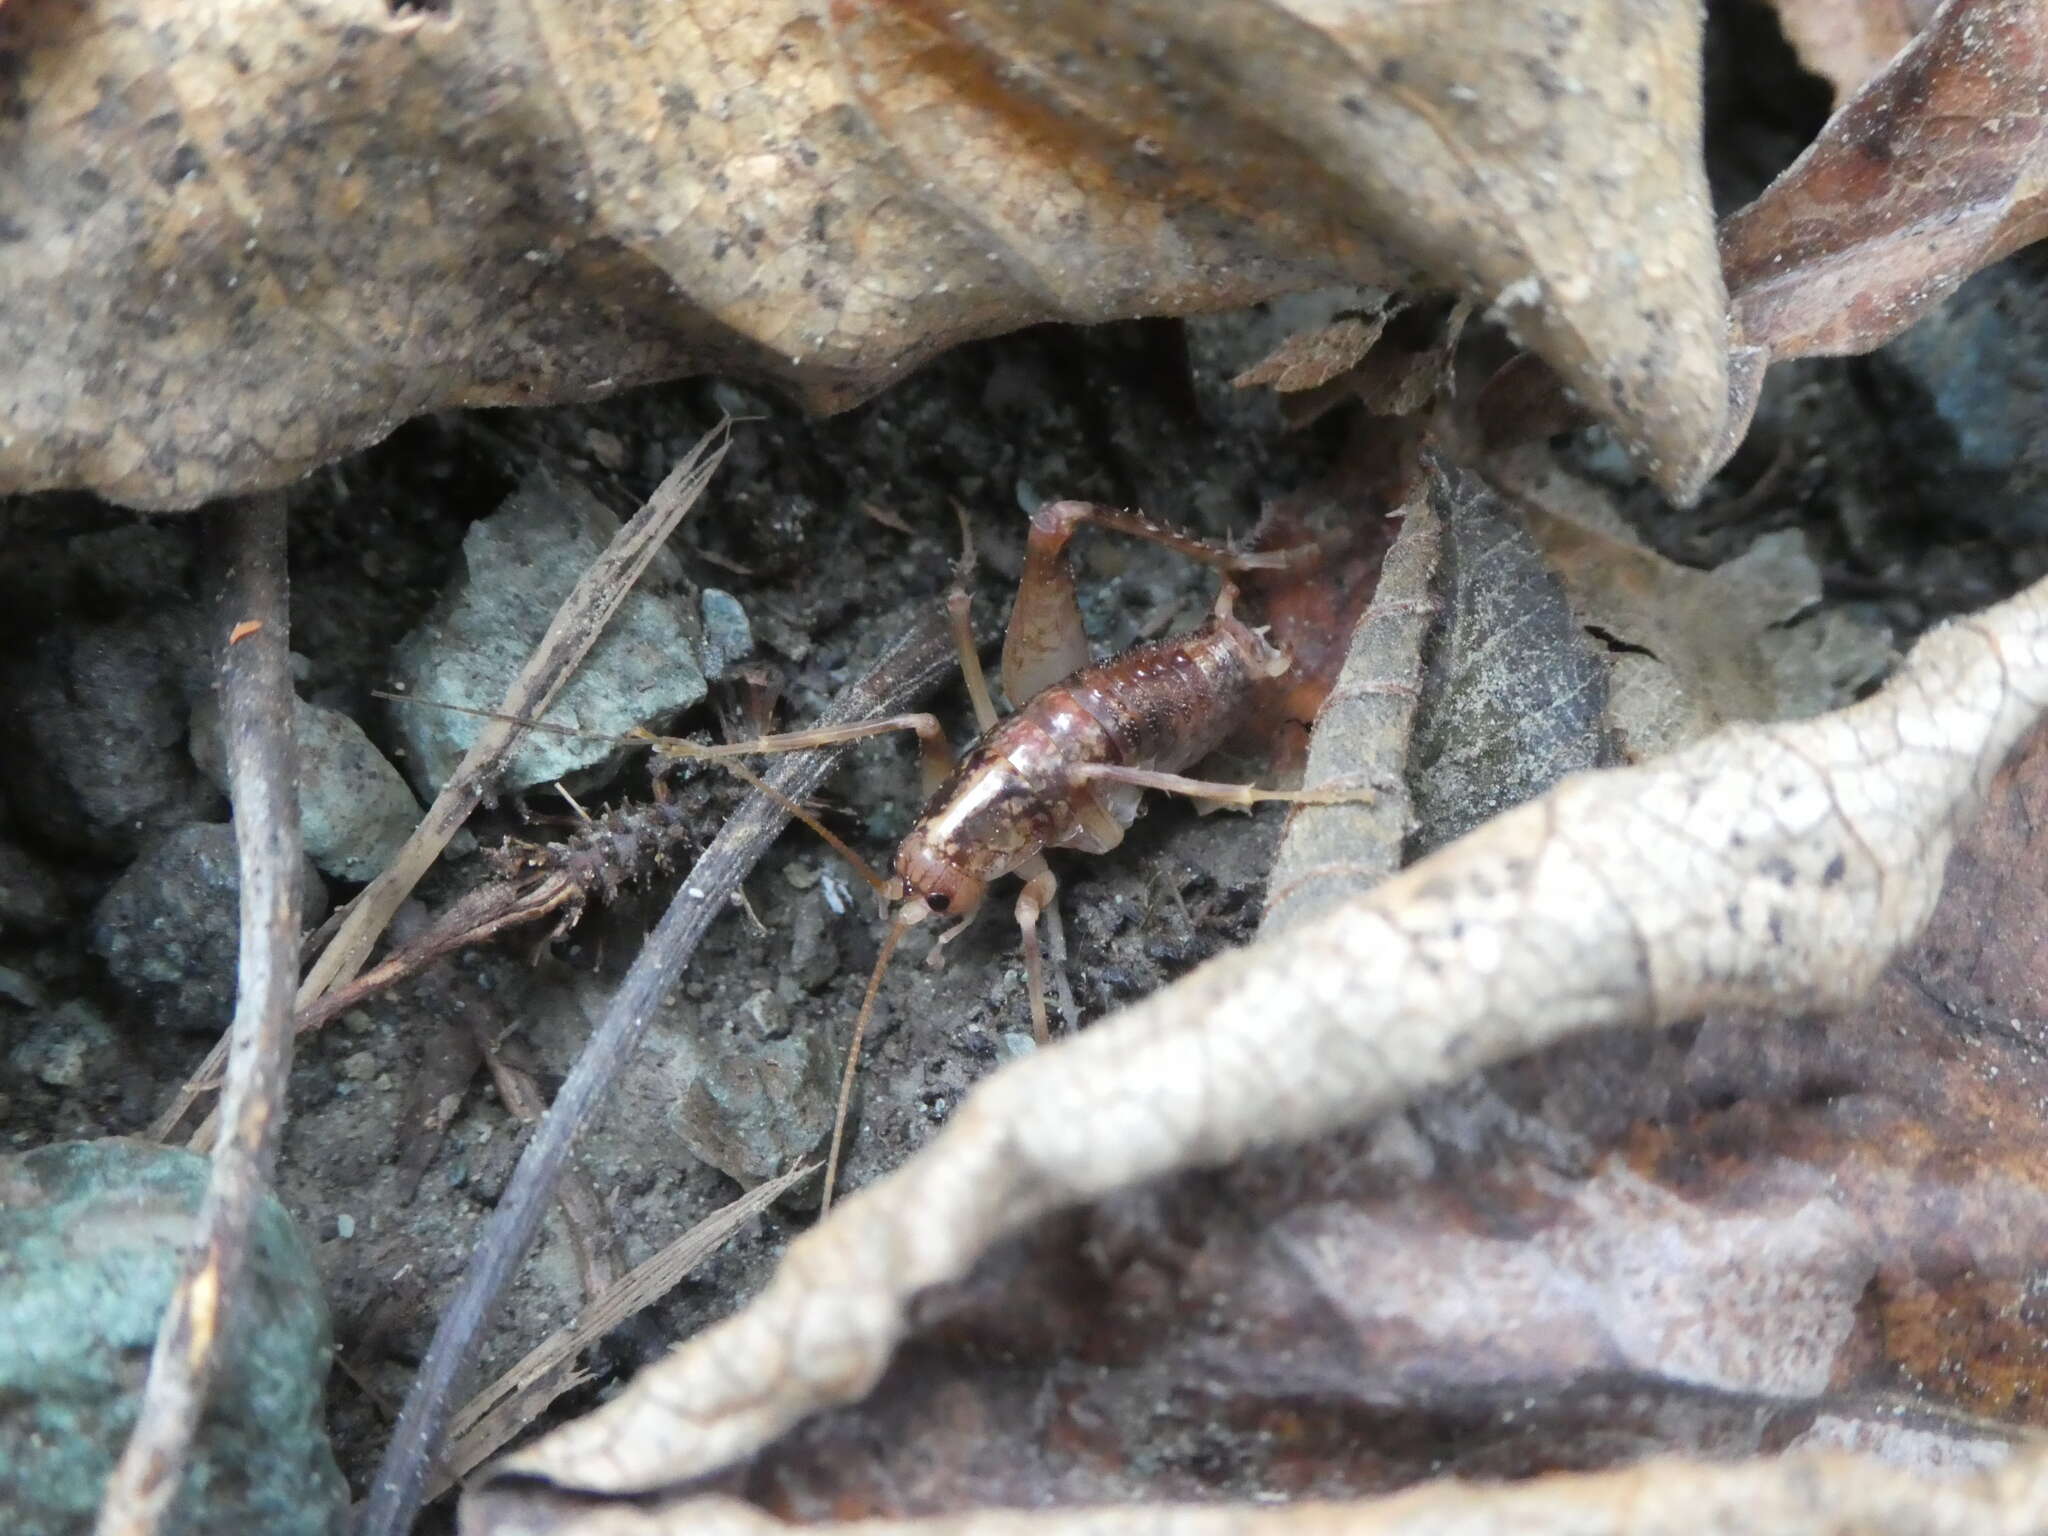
pixel 1854 533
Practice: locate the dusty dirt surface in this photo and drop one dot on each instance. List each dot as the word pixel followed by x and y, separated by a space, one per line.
pixel 91 596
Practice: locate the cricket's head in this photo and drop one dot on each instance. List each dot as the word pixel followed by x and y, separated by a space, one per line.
pixel 928 883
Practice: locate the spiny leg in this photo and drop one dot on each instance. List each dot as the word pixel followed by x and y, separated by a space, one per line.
pixel 1223 794
pixel 935 754
pixel 1045 641
pixel 931 739
pixel 1063 517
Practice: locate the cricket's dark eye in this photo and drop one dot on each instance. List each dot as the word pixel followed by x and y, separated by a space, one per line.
pixel 938 901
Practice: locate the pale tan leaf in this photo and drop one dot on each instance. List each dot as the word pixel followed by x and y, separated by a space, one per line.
pixel 1793 1496
pixel 245 240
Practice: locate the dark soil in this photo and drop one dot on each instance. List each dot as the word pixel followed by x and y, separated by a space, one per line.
pixel 789 527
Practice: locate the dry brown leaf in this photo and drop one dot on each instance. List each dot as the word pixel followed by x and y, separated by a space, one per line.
pixel 1310 359
pixel 1936 168
pixel 1847 41
pixel 1770 867
pixel 245 242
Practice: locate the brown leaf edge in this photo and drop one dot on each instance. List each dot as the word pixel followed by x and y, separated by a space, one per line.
pixel 1935 169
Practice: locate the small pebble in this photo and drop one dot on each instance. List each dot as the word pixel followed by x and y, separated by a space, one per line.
pixel 168 929
pixel 728 636
pixel 354 806
pixel 344 1226
pixel 67 1048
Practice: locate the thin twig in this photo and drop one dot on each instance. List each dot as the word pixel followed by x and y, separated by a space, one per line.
pixel 256 716
pixel 497 1413
pixel 576 626
pixel 913 665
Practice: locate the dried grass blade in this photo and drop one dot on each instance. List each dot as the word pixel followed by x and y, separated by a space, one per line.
pixel 497 1413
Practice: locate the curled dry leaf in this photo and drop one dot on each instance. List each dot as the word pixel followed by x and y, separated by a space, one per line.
pixel 264 239
pixel 1936 168
pixel 1775 867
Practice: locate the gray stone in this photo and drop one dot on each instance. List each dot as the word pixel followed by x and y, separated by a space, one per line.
pixel 355 809
pixel 750 1092
pixel 31 900
pixel 522 561
pixel 100 714
pixel 71 1045
pixel 728 637
pixel 1967 381
pixel 168 927
pixel 91 1238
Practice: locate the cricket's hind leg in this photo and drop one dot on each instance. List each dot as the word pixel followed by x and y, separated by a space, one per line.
pixel 1045 642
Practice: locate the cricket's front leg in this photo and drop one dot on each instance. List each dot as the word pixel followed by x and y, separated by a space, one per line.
pixel 1040 890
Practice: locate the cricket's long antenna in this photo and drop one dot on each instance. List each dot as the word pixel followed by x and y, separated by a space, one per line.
pixel 831 839
pixel 860 1029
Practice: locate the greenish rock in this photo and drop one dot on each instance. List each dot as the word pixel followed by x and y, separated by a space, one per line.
pixel 355 809
pixel 91 1240
pixel 728 636
pixel 519 563
pixel 170 927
